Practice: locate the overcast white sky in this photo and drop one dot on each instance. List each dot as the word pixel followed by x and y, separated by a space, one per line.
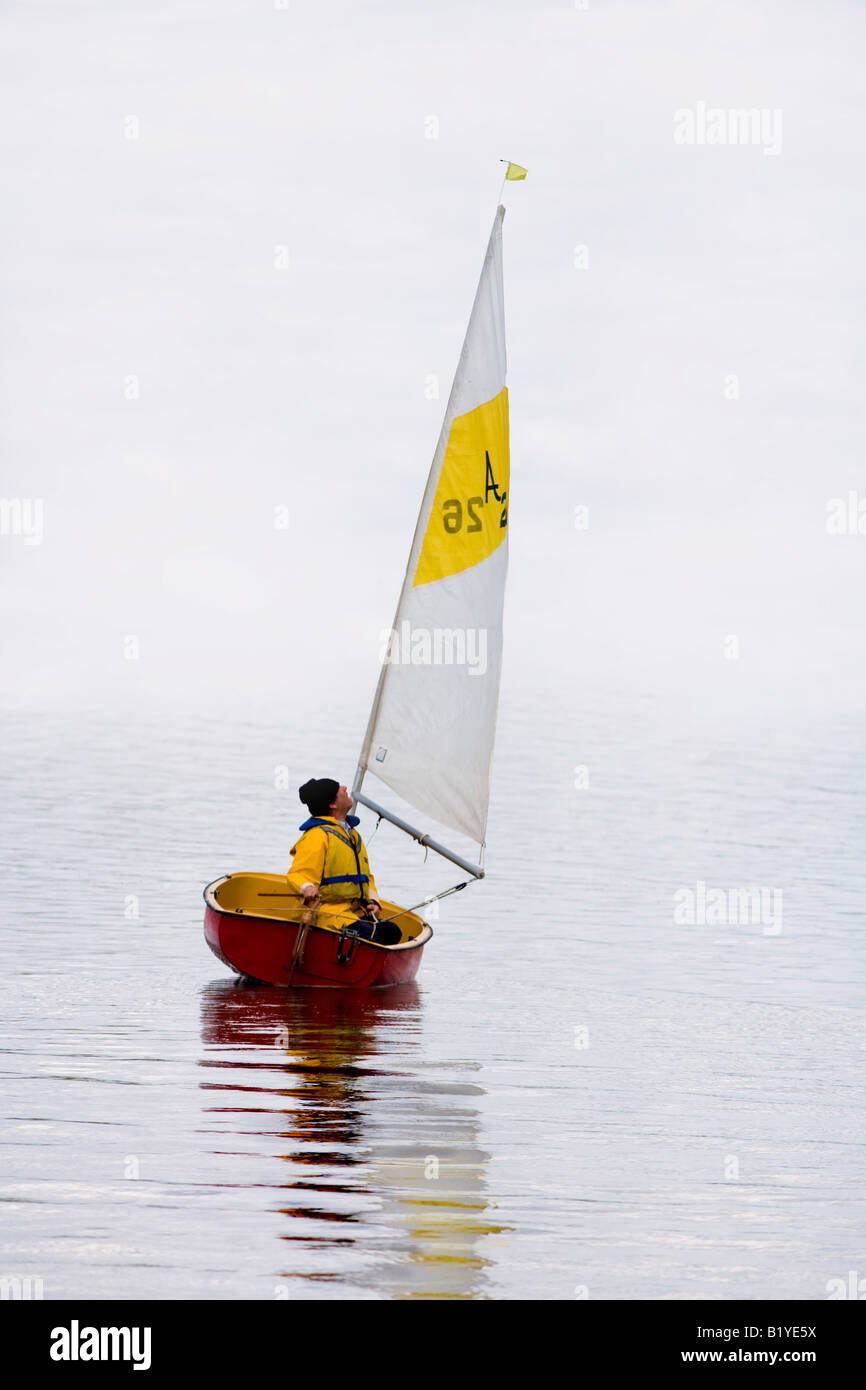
pixel 306 127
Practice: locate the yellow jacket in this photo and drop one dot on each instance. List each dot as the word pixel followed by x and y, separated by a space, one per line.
pixel 333 858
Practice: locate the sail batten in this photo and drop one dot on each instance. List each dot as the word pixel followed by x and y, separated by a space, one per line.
pixel 431 729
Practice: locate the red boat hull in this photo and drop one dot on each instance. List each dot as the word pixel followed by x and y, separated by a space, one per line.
pixel 265 949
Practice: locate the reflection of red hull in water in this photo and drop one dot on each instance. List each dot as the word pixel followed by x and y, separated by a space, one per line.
pixel 250 930
pixel 237 1012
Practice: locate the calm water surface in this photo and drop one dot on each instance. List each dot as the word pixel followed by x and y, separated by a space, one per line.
pixel 580 1095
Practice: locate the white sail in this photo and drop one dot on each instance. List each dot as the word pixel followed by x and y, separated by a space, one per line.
pixel 431 730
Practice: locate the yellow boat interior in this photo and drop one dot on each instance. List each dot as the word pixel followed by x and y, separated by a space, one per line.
pixel 269 896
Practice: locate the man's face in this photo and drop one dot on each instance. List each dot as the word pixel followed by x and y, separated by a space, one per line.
pixel 342 802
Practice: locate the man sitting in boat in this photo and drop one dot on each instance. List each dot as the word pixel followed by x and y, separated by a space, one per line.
pixel 330 862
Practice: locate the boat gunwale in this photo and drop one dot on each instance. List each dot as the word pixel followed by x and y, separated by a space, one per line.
pixel 209 895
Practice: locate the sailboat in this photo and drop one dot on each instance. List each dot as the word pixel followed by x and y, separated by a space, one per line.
pixel 431 728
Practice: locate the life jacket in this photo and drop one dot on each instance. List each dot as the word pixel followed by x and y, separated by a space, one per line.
pixel 347 870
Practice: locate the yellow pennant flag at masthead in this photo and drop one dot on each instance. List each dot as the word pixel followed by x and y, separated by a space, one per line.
pixel 515 171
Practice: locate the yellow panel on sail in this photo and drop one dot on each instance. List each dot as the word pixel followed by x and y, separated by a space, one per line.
pixel 469 517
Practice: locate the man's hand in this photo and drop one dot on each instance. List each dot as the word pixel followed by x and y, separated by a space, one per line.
pixel 373 907
pixel 310 894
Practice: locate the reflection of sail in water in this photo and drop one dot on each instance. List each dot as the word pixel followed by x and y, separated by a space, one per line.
pixel 434 1193
pixel 386 1186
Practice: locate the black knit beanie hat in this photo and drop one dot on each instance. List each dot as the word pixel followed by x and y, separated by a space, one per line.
pixel 318 794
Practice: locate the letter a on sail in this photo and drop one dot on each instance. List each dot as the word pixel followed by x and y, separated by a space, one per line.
pixel 432 725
